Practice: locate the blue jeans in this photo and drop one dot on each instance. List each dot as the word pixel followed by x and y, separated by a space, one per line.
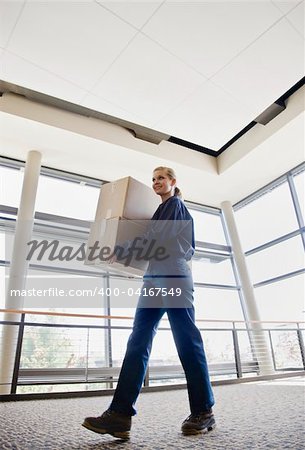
pixel 190 349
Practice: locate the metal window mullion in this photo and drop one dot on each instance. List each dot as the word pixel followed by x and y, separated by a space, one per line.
pixel 276 241
pixel 272 349
pixel 279 278
pixel 108 334
pixel 296 206
pixel 270 186
pixel 216 286
pixel 18 355
pixel 87 354
pixel 212 246
pixel 301 344
pixel 53 173
pixel 238 365
pixel 203 208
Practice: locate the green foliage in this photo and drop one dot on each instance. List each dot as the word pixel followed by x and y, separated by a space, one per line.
pixel 48 347
pixel 45 347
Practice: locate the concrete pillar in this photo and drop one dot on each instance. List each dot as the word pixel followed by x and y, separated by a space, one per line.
pixel 258 339
pixel 19 266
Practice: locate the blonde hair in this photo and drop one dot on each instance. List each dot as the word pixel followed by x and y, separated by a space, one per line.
pixel 171 174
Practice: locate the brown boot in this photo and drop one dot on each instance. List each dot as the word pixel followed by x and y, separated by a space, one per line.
pixel 110 422
pixel 199 423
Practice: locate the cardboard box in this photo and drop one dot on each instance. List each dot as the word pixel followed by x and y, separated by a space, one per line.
pixel 105 234
pixel 126 198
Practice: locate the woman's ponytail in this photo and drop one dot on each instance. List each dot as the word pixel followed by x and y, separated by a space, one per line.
pixel 177 192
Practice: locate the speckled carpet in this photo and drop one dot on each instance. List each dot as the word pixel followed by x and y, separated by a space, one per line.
pixel 260 415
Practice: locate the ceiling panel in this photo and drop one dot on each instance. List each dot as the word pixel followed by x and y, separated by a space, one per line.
pixel 285 5
pixel 147 80
pixel 209 34
pixel 297 17
pixel 71 40
pixel 9 13
pixel 21 72
pixel 208 117
pixel 136 13
pixel 84 53
pixel 267 69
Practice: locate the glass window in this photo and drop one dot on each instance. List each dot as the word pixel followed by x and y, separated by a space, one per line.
pixel 50 347
pixel 2 287
pixel 208 227
pixel 10 186
pixel 119 340
pixel 217 304
pixel 7 237
pixel 51 249
pixel 245 348
pixel 51 290
pixel 124 299
pixel 164 350
pixel 286 349
pixel 124 295
pixel 3 245
pixel 299 182
pixel 285 257
pixel 283 300
pixel 218 345
pixel 54 196
pixel 213 273
pixel 96 349
pixel 65 198
pixel 266 218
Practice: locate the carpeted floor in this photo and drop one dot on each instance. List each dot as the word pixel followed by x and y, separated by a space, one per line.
pixel 265 415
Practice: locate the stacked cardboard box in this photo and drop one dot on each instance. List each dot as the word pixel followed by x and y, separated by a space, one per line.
pixel 123 210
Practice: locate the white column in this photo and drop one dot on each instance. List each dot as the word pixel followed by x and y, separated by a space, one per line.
pixel 258 338
pixel 19 266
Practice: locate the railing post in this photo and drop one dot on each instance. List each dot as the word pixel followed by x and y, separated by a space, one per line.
pixel 301 343
pixel 108 330
pixel 272 349
pixel 87 355
pixel 239 371
pixel 17 355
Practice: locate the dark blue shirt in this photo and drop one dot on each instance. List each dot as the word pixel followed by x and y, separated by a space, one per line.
pixel 171 229
pixel 176 227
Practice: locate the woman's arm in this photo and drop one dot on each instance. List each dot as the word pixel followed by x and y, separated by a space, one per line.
pixel 168 223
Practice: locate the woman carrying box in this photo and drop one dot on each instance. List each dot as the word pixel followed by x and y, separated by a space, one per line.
pixel 170 280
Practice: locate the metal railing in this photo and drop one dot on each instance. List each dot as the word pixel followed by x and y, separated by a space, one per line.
pixel 53 354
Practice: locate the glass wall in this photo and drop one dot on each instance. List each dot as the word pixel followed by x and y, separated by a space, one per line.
pixel 271 228
pixel 299 182
pixel 66 198
pixel 65 205
pixel 269 216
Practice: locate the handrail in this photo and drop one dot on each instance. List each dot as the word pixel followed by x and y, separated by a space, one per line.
pixel 250 359
pixel 101 316
pixel 51 313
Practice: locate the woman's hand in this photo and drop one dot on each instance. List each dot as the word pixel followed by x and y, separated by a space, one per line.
pixel 112 259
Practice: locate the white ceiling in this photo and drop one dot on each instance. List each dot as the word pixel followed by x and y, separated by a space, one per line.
pixel 91 147
pixel 200 71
